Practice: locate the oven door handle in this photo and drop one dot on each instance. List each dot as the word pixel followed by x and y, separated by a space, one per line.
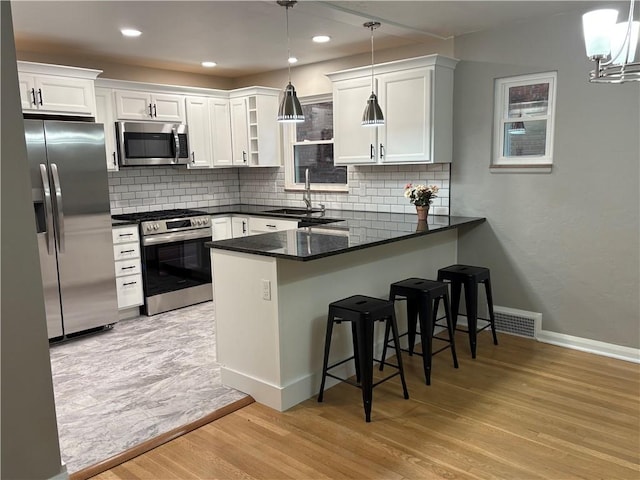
pixel 176 237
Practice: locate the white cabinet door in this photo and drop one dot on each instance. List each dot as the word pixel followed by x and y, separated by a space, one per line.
pixel 220 115
pixel 132 105
pixel 104 115
pixel 138 105
pixel 239 226
pixel 240 131
pixel 265 224
pixel 167 107
pixel 199 124
pixel 405 99
pixel 221 228
pixel 53 94
pixel 353 143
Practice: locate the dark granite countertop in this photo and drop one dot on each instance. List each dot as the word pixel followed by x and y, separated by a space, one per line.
pixel 122 223
pixel 352 230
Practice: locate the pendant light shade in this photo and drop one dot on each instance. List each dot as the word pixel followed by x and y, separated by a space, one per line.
pixel 290 109
pixel 372 115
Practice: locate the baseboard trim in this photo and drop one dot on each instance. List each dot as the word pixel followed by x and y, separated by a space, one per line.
pixel 597 347
pixel 152 443
pixel 62 475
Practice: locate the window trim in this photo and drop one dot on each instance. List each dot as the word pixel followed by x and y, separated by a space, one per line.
pixel 289 141
pixel 501 116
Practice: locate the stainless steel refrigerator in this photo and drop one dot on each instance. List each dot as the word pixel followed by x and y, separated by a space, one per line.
pixel 71 203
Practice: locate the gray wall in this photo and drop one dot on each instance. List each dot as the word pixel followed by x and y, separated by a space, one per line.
pixel 29 435
pixel 566 243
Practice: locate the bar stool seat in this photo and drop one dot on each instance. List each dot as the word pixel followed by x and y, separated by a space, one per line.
pixel 470 277
pixel 362 312
pixel 423 298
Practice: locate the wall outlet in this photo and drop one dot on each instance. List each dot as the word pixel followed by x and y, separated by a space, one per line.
pixel 266 290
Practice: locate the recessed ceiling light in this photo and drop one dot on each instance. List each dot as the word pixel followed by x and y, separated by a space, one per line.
pixel 208 64
pixel 130 32
pixel 321 38
pixel 293 60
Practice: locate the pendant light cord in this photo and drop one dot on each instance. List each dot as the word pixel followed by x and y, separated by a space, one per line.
pixel 372 59
pixel 288 43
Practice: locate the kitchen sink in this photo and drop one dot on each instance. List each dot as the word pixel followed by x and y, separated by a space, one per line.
pixel 295 211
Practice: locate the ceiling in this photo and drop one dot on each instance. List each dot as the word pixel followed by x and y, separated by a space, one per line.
pixel 247 37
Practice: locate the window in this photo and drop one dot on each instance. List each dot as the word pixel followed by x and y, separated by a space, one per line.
pixel 523 120
pixel 309 145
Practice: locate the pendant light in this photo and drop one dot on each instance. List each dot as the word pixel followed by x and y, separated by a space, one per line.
pixel 290 110
pixel 372 115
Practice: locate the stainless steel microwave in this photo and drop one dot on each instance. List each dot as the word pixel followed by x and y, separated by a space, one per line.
pixel 152 143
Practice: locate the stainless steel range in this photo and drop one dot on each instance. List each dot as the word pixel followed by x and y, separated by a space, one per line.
pixel 176 266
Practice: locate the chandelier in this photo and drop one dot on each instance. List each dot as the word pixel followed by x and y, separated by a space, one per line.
pixel 611 45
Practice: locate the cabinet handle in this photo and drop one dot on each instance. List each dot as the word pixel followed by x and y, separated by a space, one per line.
pixel 127 268
pixel 128 283
pixel 373 152
pixel 381 151
pixel 155 111
pixel 244 227
pixel 150 111
pixel 125 234
pixel 193 157
pixel 244 156
pixel 114 160
pixel 40 95
pixel 127 251
pixel 33 94
pixel 270 226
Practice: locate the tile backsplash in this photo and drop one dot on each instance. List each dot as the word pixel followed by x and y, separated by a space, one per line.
pixel 371 188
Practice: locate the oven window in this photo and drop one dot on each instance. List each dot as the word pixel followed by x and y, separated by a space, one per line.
pixel 173 266
pixel 148 145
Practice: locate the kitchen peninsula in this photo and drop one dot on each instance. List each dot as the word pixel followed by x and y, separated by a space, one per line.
pixel 271 293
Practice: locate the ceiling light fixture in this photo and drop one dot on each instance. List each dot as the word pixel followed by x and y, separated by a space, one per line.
pixel 372 115
pixel 208 64
pixel 612 46
pixel 321 39
pixel 293 60
pixel 290 109
pixel 130 32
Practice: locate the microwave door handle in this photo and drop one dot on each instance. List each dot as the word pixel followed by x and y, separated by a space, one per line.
pixel 48 208
pixel 58 207
pixel 176 139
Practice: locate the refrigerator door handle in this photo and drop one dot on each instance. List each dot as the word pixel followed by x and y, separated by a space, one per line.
pixel 59 209
pixel 48 208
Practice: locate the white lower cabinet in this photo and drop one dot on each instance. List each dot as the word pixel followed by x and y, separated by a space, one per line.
pixel 126 253
pixel 221 228
pixel 239 226
pixel 265 224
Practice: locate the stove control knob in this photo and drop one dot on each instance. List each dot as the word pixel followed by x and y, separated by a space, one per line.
pixel 199 222
pixel 156 226
pixel 147 228
pixel 206 220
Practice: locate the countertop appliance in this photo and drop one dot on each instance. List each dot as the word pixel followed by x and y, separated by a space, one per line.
pixel 176 266
pixel 152 143
pixel 71 203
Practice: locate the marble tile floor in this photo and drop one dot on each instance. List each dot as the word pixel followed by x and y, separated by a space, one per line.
pixel 146 376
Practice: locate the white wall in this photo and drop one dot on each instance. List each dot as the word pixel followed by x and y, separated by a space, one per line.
pixel 566 243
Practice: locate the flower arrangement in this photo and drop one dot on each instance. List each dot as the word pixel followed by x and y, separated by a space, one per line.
pixel 420 195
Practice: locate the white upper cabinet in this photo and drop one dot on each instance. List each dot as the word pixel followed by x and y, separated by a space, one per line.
pixel 57 90
pixel 199 124
pixel 255 132
pixel 105 115
pixel 416 97
pixel 140 105
pixel 220 115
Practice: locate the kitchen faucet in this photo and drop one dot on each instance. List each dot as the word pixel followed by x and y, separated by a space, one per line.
pixel 306 196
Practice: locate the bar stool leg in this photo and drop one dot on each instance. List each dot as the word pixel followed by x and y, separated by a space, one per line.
pixel 426 329
pixel 456 287
pixel 356 357
pixel 396 340
pixel 471 299
pixel 450 329
pixel 487 287
pixel 327 347
pixel 387 329
pixel 365 353
pixel 412 321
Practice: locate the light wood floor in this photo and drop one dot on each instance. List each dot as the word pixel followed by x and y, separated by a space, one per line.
pixel 521 410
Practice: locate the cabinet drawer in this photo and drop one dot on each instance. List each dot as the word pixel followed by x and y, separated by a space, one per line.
pixel 127 267
pixel 125 234
pixel 126 251
pixel 129 290
pixel 261 225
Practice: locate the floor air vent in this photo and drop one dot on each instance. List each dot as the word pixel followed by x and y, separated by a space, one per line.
pixel 517 322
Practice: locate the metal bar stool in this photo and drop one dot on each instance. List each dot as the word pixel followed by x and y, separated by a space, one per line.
pixel 470 277
pixel 362 312
pixel 423 298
